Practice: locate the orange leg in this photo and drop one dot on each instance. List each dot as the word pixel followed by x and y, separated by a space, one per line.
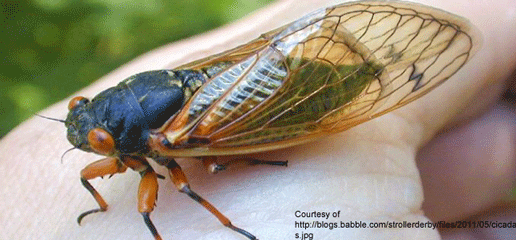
pixel 178 177
pixel 106 166
pixel 147 191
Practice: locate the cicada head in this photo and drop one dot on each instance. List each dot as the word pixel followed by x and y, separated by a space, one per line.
pixel 79 123
pixel 119 119
pixel 87 128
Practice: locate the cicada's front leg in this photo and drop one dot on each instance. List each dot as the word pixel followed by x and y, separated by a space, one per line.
pixel 103 167
pixel 147 191
pixel 178 177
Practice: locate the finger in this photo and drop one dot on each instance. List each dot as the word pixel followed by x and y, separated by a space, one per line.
pixel 470 169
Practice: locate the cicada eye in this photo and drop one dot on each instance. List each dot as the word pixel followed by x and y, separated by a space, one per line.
pixel 76 101
pixel 101 141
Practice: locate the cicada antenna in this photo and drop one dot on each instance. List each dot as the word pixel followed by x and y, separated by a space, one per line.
pixel 57 120
pixel 49 118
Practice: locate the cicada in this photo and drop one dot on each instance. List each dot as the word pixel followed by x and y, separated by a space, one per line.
pixel 324 73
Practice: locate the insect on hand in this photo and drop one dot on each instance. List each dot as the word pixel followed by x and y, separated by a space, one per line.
pixel 324 73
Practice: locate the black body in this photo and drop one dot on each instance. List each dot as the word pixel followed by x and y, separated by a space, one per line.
pixel 131 109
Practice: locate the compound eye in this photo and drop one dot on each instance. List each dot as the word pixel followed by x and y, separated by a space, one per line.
pixel 101 141
pixel 77 101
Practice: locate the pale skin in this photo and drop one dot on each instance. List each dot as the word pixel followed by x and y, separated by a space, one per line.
pixel 368 173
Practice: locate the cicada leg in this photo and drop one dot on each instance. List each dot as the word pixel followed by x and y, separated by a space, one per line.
pixel 213 167
pixel 210 163
pixel 100 168
pixel 147 191
pixel 179 179
pixel 253 161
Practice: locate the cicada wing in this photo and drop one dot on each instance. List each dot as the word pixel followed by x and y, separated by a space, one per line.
pixel 234 55
pixel 419 46
pixel 326 72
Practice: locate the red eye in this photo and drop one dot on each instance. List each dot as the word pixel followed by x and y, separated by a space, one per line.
pixel 76 101
pixel 101 141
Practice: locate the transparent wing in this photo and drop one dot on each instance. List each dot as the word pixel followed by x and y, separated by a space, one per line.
pixel 326 72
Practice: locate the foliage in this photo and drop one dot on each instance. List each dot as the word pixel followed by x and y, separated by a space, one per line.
pixel 52 48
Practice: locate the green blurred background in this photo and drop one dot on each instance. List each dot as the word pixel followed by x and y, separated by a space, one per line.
pixel 52 48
